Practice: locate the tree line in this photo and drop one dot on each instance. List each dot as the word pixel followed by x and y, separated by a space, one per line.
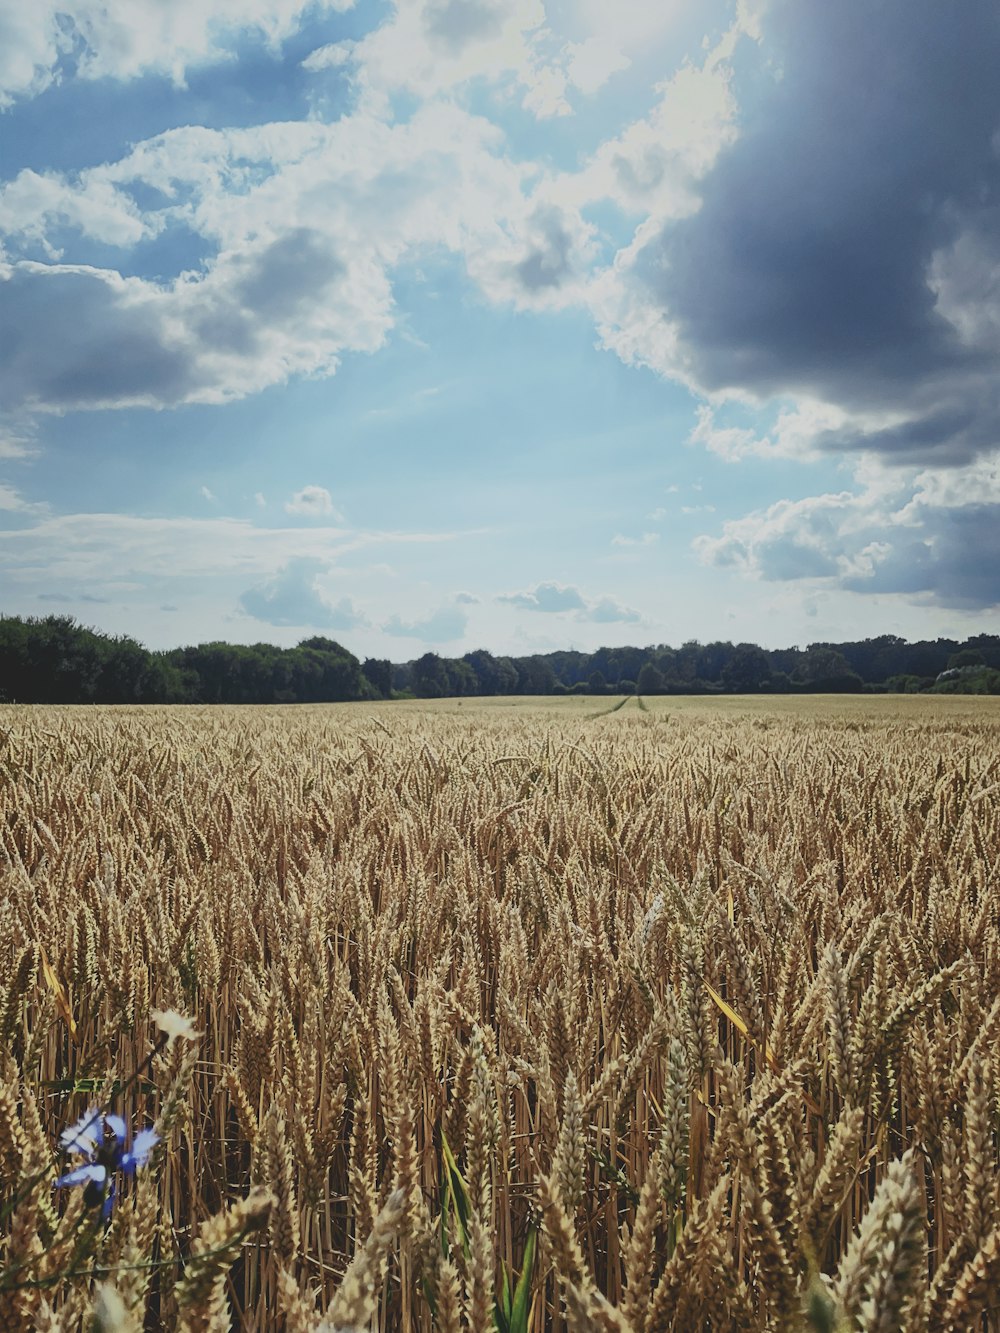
pixel 53 659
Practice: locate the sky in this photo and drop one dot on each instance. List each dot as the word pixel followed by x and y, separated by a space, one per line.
pixel 513 324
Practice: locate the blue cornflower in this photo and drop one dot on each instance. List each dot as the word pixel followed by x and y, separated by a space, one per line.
pixel 99 1136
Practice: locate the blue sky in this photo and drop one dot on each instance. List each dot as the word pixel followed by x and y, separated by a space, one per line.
pixel 518 324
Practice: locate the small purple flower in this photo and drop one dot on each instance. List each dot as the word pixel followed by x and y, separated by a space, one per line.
pixel 99 1137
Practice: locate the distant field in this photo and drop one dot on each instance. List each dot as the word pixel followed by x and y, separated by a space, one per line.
pixel 523 1014
pixel 873 707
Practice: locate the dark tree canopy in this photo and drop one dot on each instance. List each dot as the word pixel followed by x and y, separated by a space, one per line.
pixel 52 659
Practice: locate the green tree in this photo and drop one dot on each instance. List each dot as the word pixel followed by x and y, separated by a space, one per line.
pixel 430 677
pixel 650 679
pixel 378 671
pixel 747 671
pixel 966 657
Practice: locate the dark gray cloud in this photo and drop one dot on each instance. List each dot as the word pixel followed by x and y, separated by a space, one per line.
pixel 76 337
pixel 953 559
pixel 292 598
pixel 288 273
pixel 951 431
pixel 945 554
pixel 72 338
pixel 268 289
pixel 846 242
pixel 443 626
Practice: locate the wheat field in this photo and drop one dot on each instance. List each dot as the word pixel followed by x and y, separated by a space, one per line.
pixel 504 1015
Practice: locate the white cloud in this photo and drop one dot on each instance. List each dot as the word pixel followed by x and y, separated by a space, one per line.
pixel 9 498
pixel 796 433
pixel 791 539
pixel 647 538
pixel 628 27
pixel 13 502
pixel 543 262
pixel 312 501
pixel 308 221
pixel 205 493
pixel 14 444
pixel 33 202
pixel 592 62
pixel 123 39
pixel 332 56
pixel 430 47
pixel 978 483
pixel 97 547
pixel 547 597
pixel 523 48
pixel 651 168
pixel 445 625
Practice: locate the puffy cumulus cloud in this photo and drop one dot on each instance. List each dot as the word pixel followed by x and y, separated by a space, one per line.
pixel 543 263
pixel 844 248
pixel 445 625
pixel 299 226
pixel 333 56
pixel 44 41
pixel 467 599
pixel 33 203
pixel 547 597
pixel 313 502
pixel 306 222
pixel 543 54
pixel 652 167
pixel 82 337
pixel 430 47
pixel 73 336
pixel 932 536
pixel 791 539
pixel 292 596
pixel 795 434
